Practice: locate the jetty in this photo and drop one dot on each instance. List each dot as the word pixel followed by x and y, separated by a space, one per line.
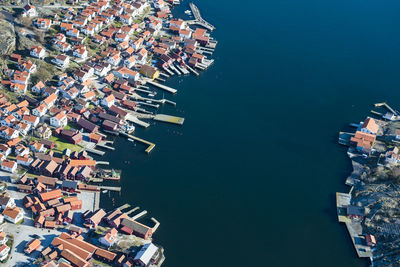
pixel 198 19
pixel 132 210
pixel 110 188
pixel 166 88
pixel 384 104
pixel 157 224
pixel 125 206
pixel 95 151
pixel 139 215
pixel 103 145
pixel 130 117
pixel 150 145
pixel 169 118
pixel 102 163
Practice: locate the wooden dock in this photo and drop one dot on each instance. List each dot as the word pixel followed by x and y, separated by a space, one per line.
pixel 170 119
pixel 132 211
pixel 384 104
pixel 95 151
pixel 161 86
pixel 102 163
pixel 376 113
pixel 157 224
pixel 105 146
pixel 125 206
pixel 111 188
pixel 139 215
pixel 130 117
pixel 150 145
pixel 96 203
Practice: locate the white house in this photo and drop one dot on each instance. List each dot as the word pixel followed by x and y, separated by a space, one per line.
pixel 80 52
pixel 61 61
pixel 38 52
pixel 370 126
pixel 13 215
pixel 38 88
pixel 126 73
pixel 8 133
pixel 145 254
pixel 59 120
pixel 31 119
pixel 108 101
pixel 72 33
pixel 9 166
pixel 109 237
pixel 3 235
pixel 40 110
pixel 24 160
pixel 7 202
pixel 42 23
pixel 29 11
pixel 4 250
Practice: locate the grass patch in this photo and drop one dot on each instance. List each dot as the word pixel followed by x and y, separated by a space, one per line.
pixel 61 145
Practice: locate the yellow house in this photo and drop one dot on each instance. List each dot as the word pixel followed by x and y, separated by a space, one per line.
pixel 149 71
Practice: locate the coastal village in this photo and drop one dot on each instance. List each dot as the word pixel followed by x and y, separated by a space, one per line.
pixel 371 210
pixel 81 73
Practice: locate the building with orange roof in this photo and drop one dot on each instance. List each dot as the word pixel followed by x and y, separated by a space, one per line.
pixel 51 195
pixel 43 23
pixel 4 250
pixel 124 72
pixel 32 245
pixel 38 52
pixel 59 120
pixel 363 141
pixel 14 215
pixel 108 101
pixel 370 126
pixel 74 258
pixel 50 100
pixel 109 237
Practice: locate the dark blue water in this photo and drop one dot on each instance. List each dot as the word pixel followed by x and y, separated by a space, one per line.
pixel 250 178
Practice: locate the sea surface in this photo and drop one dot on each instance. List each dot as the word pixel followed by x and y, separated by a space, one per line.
pixel 250 178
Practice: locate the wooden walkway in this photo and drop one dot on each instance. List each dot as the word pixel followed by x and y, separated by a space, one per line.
pixel 150 145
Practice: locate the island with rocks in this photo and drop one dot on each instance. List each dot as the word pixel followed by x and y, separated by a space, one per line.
pixel 371 209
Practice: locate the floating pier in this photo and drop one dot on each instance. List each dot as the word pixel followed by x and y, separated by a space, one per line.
pixel 170 119
pixel 139 215
pixel 150 145
pixel 166 88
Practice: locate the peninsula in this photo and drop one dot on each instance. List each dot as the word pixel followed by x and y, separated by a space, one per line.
pixel 75 75
pixel 371 209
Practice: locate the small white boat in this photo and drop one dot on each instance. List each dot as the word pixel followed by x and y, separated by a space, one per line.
pixel 104 191
pixel 130 140
pixel 151 95
pixel 188 12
